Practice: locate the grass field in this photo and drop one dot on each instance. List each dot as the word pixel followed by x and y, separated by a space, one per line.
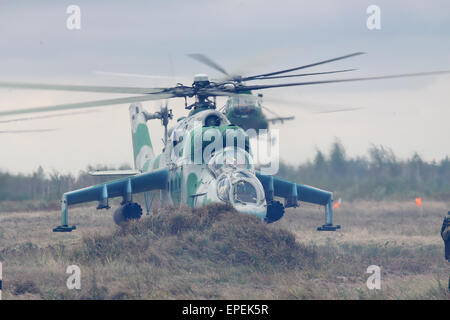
pixel 215 253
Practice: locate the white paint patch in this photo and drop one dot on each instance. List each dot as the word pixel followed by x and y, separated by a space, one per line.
pixel 137 116
pixel 144 155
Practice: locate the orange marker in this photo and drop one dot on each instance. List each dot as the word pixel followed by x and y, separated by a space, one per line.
pixel 337 204
pixel 419 202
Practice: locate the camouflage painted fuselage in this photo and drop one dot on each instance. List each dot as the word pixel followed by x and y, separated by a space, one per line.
pixel 205 159
pixel 203 165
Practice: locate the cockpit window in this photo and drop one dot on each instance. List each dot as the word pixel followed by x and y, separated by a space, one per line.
pixel 244 103
pixel 212 121
pixel 230 157
pixel 239 187
pixel 244 100
pixel 245 192
pixel 223 188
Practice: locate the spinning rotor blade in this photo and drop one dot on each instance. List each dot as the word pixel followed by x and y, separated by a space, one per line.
pixel 280 119
pixel 309 105
pixel 48 116
pixel 123 74
pixel 210 63
pixel 277 116
pixel 27 131
pixel 304 74
pixel 393 76
pixel 339 110
pixel 62 87
pixel 302 67
pixel 88 104
pixel 272 112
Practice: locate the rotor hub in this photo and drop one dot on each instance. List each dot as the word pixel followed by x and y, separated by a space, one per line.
pixel 201 80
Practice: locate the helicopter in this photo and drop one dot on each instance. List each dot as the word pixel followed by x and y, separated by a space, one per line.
pixel 199 164
pixel 246 109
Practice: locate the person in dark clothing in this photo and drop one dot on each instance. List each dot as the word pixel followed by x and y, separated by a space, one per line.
pixel 445 234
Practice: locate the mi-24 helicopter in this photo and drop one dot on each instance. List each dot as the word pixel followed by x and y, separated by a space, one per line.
pixel 199 164
pixel 246 109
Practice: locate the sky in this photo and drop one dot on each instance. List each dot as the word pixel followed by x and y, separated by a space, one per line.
pixel 247 37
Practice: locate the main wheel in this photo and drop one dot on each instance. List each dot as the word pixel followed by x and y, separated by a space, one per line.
pixel 275 211
pixel 127 212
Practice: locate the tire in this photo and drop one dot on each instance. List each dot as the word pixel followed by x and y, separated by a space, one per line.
pixel 275 211
pixel 127 212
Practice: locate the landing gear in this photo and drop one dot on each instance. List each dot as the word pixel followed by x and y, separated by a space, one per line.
pixel 275 211
pixel 128 211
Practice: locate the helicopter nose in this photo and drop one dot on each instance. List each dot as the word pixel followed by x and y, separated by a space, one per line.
pixel 245 193
pixel 258 211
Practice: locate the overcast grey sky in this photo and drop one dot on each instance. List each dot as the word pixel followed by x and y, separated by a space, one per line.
pixel 153 37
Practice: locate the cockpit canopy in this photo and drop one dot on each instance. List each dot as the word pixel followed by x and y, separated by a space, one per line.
pixel 239 187
pixel 242 103
pixel 229 157
pixel 203 143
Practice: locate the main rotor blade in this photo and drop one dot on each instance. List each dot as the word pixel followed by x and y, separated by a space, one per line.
pixel 339 110
pixel 27 131
pixel 318 108
pixel 306 66
pixel 125 74
pixel 280 119
pixel 88 104
pixel 277 116
pixel 210 63
pixel 298 75
pixel 393 76
pixel 63 87
pixel 272 112
pixel 48 116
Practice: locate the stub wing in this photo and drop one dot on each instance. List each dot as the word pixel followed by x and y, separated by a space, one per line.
pixel 293 192
pixel 124 188
pixel 280 119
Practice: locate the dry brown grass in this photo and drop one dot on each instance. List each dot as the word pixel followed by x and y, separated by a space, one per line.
pixel 215 253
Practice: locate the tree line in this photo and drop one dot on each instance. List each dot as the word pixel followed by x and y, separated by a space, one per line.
pixel 379 175
pixel 46 186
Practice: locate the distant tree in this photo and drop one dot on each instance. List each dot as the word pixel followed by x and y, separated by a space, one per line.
pixel 338 162
pixel 379 156
pixel 319 160
pixel 416 167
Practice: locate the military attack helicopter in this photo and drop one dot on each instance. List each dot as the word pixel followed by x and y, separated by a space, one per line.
pixel 245 109
pixel 199 163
